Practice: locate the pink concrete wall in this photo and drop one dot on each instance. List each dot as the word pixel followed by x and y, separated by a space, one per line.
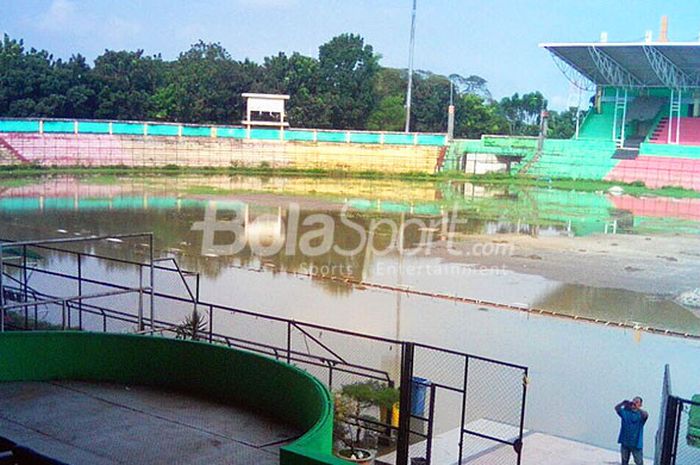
pixel 658 172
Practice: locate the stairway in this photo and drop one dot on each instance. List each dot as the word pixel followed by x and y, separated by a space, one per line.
pixel 440 162
pixel 535 158
pixel 8 154
pixel 631 149
pixel 690 131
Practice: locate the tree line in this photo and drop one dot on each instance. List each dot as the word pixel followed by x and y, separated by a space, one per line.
pixel 345 87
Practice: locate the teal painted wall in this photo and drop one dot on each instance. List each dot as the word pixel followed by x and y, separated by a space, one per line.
pixel 172 129
pixel 665 150
pixel 216 372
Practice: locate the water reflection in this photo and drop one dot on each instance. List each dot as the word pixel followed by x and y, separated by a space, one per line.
pixel 575 367
pixel 214 225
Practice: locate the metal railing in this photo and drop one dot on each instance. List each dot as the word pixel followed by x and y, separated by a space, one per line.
pixel 128 300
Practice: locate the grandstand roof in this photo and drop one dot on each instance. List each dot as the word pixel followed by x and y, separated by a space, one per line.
pixel 643 64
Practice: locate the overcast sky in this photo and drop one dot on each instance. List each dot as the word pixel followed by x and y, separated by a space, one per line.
pixel 496 39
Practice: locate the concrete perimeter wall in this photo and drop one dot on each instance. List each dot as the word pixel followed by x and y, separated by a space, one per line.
pixel 139 144
pixel 216 372
pixel 147 151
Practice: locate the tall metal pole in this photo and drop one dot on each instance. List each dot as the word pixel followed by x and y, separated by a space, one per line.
pixel 451 114
pixel 410 68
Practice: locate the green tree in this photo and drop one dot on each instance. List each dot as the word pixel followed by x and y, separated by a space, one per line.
pixel 474 118
pixel 296 76
pixel 562 125
pixel 389 115
pixel 523 113
pixel 205 85
pixel 473 84
pixel 347 69
pixel 390 82
pixel 79 85
pixel 431 97
pixel 124 83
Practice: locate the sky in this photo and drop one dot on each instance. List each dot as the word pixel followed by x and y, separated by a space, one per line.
pixel 495 39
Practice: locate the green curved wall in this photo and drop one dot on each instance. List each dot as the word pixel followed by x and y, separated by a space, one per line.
pixel 216 372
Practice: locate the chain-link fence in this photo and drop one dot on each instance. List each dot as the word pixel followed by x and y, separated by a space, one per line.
pixel 688 448
pixel 681 436
pixel 468 408
pixel 678 436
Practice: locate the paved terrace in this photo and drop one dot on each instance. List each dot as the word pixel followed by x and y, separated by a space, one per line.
pixel 103 399
pixel 108 424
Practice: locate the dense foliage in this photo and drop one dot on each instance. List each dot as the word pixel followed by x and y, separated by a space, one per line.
pixel 344 88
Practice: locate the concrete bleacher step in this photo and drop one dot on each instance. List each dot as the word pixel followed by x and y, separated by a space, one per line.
pixel 689 131
pixel 626 154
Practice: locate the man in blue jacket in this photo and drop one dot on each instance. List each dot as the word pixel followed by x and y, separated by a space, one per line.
pixel 631 436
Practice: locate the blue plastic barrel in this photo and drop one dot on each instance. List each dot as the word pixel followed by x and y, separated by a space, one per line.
pixel 419 387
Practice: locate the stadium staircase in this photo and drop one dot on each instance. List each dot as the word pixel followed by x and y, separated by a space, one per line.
pixel 576 159
pixel 8 154
pixel 690 131
pixel 440 162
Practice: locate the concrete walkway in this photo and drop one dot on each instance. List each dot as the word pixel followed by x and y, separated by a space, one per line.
pixel 538 448
pixel 107 424
pixel 543 449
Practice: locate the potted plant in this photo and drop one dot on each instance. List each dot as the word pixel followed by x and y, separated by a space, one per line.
pixel 193 327
pixel 353 424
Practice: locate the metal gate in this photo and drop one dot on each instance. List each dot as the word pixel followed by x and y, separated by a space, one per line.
pixel 678 437
pixel 464 409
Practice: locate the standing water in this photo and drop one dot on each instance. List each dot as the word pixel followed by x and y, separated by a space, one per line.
pixel 366 256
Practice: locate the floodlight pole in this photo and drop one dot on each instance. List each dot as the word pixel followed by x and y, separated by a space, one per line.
pixel 451 114
pixel 410 68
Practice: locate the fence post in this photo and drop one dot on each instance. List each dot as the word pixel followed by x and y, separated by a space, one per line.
pixel 431 424
pixel 518 446
pixel 404 436
pixel 211 322
pixel 152 278
pixel 140 314
pixel 80 290
pixel 670 432
pixel 25 290
pixel 465 384
pixel 289 342
pixel 2 285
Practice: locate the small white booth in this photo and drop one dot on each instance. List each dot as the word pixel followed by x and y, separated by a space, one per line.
pixel 265 110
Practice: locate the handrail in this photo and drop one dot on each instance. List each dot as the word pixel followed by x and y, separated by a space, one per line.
pixel 235 310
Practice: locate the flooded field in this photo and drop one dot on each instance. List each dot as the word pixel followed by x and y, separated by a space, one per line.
pixel 430 262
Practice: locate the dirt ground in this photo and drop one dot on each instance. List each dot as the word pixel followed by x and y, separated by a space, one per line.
pixel 648 264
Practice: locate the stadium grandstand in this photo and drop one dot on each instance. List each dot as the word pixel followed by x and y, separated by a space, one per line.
pixel 642 123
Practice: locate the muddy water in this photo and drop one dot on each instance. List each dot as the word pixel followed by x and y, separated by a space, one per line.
pixel 383 232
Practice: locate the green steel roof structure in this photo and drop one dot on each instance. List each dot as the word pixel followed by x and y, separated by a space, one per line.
pixel 673 65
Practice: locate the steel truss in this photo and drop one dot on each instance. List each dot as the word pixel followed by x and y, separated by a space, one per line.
pixel 573 75
pixel 614 73
pixel 668 72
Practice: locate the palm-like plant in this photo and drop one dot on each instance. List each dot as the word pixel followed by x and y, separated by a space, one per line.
pixel 193 327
